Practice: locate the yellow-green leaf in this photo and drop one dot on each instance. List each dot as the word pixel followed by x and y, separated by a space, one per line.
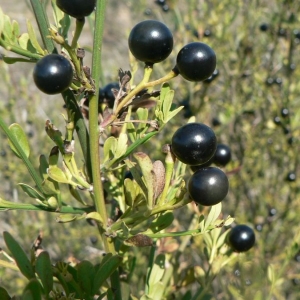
pixel 20 136
pixel 33 38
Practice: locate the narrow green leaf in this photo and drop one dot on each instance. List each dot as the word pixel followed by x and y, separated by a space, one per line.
pixel 19 134
pixel 3 293
pixel 7 29
pixel 58 175
pixel 66 218
pixel 130 194
pixel 121 145
pixel 95 216
pixel 162 221
pixel 173 113
pixel 43 268
pixel 31 192
pixel 163 92
pixel 131 132
pixel 107 267
pixel 15 30
pixel 19 255
pixel 32 291
pixel 213 215
pixel 86 275
pixel 157 291
pixel 109 148
pixel 146 166
pixel 157 271
pixel 167 102
pixel 33 38
pixel 12 60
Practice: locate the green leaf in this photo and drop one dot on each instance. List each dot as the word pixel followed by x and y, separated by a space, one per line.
pixel 108 265
pixel 86 275
pixel 7 29
pixel 32 291
pixel 33 39
pixel 19 255
pixel 18 133
pixel 31 192
pixel 66 218
pixel 163 92
pixel 50 187
pixel 15 30
pixel 95 216
pixel 142 114
pixel 56 174
pixel 162 221
pixel 25 43
pixel 109 148
pixel 157 272
pixel 43 268
pixel 213 215
pixel 131 132
pixel 130 192
pixel 157 291
pixel 12 60
pixel 121 145
pixel 173 113
pixel 146 166
pixel 3 293
pixel 167 102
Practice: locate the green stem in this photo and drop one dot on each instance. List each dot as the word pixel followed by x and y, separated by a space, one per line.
pixel 93 121
pixel 32 56
pixel 78 30
pixel 8 205
pixel 43 24
pixel 37 179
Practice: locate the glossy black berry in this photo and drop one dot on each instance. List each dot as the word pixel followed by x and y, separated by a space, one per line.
pixel 106 94
pixel 241 238
pixel 272 212
pixel 282 32
pixel 208 186
pixel 284 112
pixel 77 8
pixel 222 155
pixel 269 81
pixel 264 27
pixel 207 33
pixel 53 74
pixel 150 41
pixel 194 143
pixel 196 61
pixel 277 120
pixel 259 227
pixel 206 164
pixel 278 81
pixel 215 122
pixel 291 176
pixel 160 2
pixel 212 76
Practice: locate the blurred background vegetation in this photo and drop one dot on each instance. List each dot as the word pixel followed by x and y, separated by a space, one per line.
pixel 257 45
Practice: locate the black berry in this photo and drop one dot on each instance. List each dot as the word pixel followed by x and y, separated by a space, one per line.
pixel 77 8
pixel 284 112
pixel 196 61
pixel 150 41
pixel 264 27
pixel 53 74
pixel 106 94
pixel 291 176
pixel 222 155
pixel 194 143
pixel 208 186
pixel 241 238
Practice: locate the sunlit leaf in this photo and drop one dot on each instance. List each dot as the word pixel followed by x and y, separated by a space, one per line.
pixel 157 272
pixel 12 60
pixel 19 134
pixel 214 213
pixel 33 39
pixel 31 192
